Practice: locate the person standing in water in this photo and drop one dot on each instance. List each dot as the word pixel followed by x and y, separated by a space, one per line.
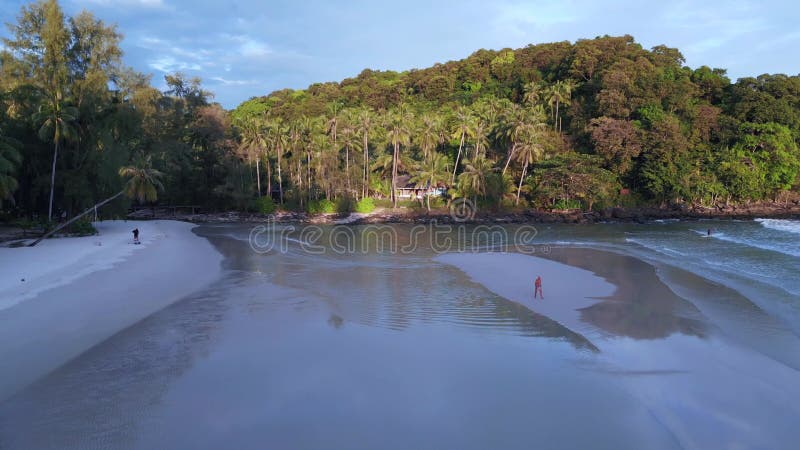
pixel 538 288
pixel 135 235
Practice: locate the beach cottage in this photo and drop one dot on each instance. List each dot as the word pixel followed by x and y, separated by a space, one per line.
pixel 407 190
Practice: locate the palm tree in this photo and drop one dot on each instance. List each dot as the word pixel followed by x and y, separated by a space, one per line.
pixel 430 134
pixel 473 179
pixel 57 125
pixel 322 150
pixel 143 185
pixel 280 139
pixel 10 158
pixel 399 134
pixel 433 172
pixel 481 137
pixel 332 122
pixel 464 127
pixel 350 141
pixel 560 93
pixel 515 123
pixel 530 150
pixel 365 124
pixel 143 182
pixel 533 93
pixel 253 140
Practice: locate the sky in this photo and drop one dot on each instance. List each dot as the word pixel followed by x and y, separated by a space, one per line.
pixel 247 48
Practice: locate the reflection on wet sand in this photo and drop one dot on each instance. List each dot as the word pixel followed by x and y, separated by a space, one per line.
pixel 642 307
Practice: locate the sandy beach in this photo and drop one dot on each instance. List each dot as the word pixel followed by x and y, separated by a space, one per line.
pixel 677 361
pixel 299 349
pixel 65 295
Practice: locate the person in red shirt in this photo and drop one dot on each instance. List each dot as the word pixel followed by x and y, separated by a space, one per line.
pixel 538 288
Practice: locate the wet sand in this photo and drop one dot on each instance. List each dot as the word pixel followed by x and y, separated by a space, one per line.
pixel 709 390
pixel 380 350
pixel 78 293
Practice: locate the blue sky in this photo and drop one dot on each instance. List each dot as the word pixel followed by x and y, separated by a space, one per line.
pixel 246 48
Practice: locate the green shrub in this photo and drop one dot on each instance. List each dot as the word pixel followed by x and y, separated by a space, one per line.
pixel 25 223
pixel 265 205
pixel 567 204
pixel 438 202
pixel 322 207
pixel 365 205
pixel 344 205
pixel 383 203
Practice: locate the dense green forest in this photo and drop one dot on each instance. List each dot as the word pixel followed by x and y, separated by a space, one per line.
pixel 595 123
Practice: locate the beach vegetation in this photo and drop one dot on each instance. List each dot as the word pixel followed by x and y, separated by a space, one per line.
pixel 543 125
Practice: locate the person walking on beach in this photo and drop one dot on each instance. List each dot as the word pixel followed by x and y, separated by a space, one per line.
pixel 538 288
pixel 135 235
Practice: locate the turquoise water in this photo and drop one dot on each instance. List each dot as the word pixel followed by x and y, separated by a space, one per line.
pixel 298 348
pixel 760 259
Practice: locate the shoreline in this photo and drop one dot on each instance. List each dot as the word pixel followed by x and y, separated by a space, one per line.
pixel 594 293
pixel 78 293
pixel 406 215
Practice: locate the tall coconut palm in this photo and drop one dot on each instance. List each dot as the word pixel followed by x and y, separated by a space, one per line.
pixel 143 182
pixel 280 138
pixel 398 129
pixel 481 138
pixel 515 123
pixel 530 150
pixel 472 181
pixel 560 93
pixel 332 120
pixel 10 158
pixel 464 127
pixel 251 145
pixel 434 171
pixel 365 123
pixel 143 185
pixel 324 156
pixel 58 124
pixel 350 141
pixel 533 93
pixel 430 134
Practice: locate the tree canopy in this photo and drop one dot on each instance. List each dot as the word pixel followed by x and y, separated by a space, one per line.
pixel 546 125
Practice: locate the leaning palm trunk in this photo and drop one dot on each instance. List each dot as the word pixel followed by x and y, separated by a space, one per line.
pixel 53 180
pixel 394 177
pixel 521 179
pixel 269 178
pixel 366 166
pixel 347 166
pixel 510 155
pixel 67 223
pixel 258 176
pixel 280 179
pixel 458 156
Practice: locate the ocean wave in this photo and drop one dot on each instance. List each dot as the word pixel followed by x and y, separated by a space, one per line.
pixel 757 244
pixel 790 226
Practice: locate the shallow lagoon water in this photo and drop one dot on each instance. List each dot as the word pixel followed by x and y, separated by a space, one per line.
pixel 391 350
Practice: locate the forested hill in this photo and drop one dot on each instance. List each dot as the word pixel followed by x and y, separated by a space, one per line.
pixel 623 116
pixel 598 123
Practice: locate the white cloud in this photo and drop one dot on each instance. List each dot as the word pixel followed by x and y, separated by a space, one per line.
pixel 168 64
pixel 227 82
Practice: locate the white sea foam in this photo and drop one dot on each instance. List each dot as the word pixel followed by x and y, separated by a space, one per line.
pixel 791 226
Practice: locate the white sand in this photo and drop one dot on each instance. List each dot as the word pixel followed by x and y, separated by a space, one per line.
pixel 511 275
pixel 56 262
pixel 708 392
pixel 79 291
